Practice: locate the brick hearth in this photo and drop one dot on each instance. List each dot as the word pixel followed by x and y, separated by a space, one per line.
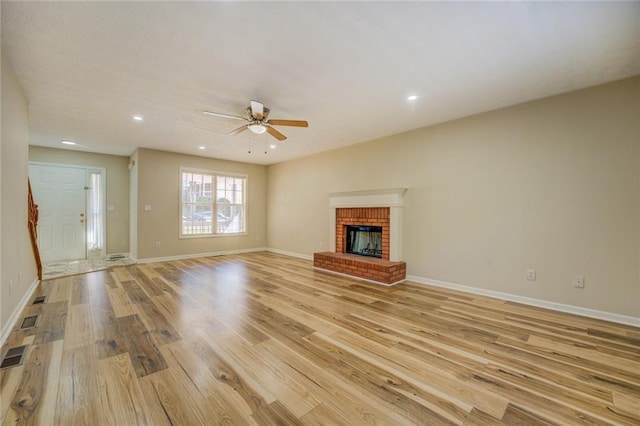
pixel 370 268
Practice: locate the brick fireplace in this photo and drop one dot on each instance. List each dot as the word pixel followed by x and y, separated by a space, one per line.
pixel 378 209
pixel 369 216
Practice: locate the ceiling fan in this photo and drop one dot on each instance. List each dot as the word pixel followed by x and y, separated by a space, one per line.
pixel 258 121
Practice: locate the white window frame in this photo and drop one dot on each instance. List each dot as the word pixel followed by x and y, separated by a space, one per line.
pixel 214 203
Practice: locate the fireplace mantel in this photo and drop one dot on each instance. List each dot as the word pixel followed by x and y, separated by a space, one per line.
pixel 390 197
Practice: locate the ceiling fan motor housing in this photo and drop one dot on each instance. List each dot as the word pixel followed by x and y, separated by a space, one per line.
pixel 265 114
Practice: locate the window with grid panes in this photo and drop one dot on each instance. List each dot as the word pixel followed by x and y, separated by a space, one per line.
pixel 212 203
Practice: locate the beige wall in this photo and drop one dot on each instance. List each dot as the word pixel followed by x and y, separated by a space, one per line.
pixel 17 260
pixel 158 175
pixel 117 188
pixel 552 185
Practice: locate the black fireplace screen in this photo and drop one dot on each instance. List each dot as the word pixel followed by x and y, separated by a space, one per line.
pixel 364 240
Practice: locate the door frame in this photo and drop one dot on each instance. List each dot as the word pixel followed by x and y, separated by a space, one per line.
pixel 103 197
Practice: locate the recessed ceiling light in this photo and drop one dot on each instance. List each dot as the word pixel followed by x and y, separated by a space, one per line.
pixel 68 142
pixel 201 147
pixel 412 97
pixel 138 118
pixel 272 146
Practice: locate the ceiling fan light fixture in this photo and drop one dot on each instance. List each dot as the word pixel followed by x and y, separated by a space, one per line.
pixel 258 128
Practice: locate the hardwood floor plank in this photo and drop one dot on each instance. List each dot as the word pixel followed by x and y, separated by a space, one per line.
pixel 275 414
pixel 77 402
pixel 144 354
pixel 52 322
pixel 529 400
pixel 79 290
pixel 120 302
pixel 149 285
pixel 134 291
pixel 225 368
pixel 261 338
pixel 518 416
pixel 627 403
pixel 78 328
pixel 58 290
pixel 419 373
pixel 322 415
pixel 273 375
pixel 108 341
pixel 221 401
pixel 160 329
pixel 176 400
pixel 479 418
pixel 335 390
pixel 627 367
pixel 593 407
pixel 386 386
pixel 120 393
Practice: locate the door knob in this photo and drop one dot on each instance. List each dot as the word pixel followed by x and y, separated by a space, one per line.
pixel 81 220
pixel 81 214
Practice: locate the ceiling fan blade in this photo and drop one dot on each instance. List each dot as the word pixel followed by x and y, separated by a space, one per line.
pixel 295 123
pixel 217 114
pixel 239 130
pixel 257 110
pixel 276 134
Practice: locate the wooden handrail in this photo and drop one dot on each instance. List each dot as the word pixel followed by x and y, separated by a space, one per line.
pixel 32 223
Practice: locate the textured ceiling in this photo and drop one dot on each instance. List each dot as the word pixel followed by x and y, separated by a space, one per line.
pixel 346 67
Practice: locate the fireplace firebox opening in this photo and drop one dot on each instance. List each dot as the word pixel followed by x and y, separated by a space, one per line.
pixel 364 240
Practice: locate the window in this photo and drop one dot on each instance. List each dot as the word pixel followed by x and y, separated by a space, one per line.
pixel 212 203
pixel 95 214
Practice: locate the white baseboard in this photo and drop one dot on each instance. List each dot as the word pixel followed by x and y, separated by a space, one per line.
pixel 15 315
pixel 290 253
pixel 576 310
pixel 192 256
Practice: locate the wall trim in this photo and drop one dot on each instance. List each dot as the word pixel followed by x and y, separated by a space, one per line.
pixel 195 255
pixel 290 253
pixel 560 307
pixel 15 315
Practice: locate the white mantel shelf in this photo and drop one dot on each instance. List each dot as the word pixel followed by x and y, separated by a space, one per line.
pixel 389 197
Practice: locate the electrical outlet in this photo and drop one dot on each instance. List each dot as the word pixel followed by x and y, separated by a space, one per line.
pixel 531 274
pixel 157 244
pixel 578 281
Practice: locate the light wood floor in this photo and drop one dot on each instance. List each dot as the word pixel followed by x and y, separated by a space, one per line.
pixel 264 339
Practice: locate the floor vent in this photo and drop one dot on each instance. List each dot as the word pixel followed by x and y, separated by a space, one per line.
pixel 13 357
pixel 38 300
pixel 29 322
pixel 116 257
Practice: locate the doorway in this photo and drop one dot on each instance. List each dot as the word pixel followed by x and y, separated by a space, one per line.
pixel 71 208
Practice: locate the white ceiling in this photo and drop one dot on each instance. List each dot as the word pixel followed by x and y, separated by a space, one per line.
pixel 346 67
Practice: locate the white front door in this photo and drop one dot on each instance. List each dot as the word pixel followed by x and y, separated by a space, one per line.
pixel 59 192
